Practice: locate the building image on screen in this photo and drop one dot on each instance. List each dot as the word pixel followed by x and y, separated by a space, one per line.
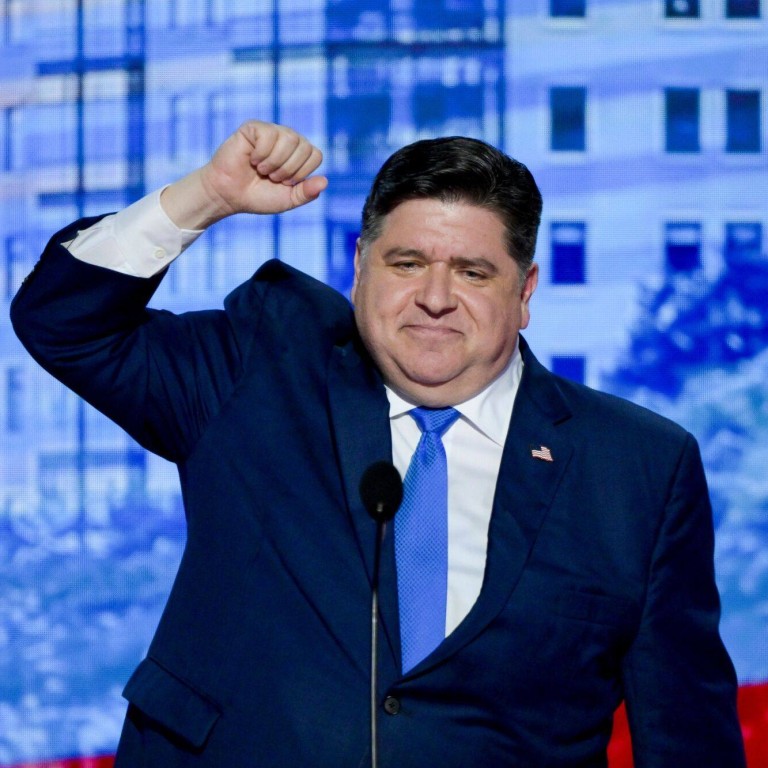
pixel 644 124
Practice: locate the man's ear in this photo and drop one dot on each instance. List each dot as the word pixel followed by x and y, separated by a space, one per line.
pixel 358 266
pixel 529 286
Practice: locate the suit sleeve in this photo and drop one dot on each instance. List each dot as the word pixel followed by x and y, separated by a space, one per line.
pixel 680 685
pixel 158 375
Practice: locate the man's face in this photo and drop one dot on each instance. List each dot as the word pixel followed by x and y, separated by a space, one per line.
pixel 438 300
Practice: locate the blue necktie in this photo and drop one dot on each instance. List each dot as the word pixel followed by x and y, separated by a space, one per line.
pixel 421 540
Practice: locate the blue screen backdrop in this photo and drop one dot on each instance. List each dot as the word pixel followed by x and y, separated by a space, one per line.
pixel 644 123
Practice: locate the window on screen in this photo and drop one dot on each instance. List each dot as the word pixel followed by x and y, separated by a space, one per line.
pixel 573 367
pixel 742 121
pixel 568 119
pixel 567 244
pixel 568 8
pixel 682 119
pixel 682 9
pixel 743 242
pixel 683 246
pixel 742 9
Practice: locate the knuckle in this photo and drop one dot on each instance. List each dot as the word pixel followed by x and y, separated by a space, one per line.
pixel 289 133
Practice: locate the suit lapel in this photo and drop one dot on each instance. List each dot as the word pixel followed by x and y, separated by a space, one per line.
pixel 360 416
pixel 524 492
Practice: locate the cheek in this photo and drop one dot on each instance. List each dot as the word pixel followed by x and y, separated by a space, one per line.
pixel 386 302
pixel 373 310
pixel 494 318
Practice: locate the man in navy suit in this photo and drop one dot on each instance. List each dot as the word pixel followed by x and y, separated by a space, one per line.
pixel 579 544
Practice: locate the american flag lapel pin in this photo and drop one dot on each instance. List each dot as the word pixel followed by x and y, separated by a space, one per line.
pixel 542 452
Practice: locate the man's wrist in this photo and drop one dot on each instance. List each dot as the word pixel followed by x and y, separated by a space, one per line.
pixel 189 205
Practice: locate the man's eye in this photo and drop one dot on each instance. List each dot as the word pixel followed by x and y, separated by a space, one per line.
pixel 474 275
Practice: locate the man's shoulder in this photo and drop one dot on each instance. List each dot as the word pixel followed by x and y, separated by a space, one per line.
pixel 288 296
pixel 584 403
pixel 608 414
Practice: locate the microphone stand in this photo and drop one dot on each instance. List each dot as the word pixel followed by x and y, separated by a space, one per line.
pixel 381 491
pixel 380 530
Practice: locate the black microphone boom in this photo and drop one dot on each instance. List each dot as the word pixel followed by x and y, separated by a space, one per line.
pixel 381 491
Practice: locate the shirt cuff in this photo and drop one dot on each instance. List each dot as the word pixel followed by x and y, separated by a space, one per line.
pixel 140 240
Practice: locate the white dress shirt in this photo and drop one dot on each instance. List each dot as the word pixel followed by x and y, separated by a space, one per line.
pixel 473 448
pixel 141 240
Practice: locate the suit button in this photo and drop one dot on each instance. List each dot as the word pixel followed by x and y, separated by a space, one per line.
pixel 391 705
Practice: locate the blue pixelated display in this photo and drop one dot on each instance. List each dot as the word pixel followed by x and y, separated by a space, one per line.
pixel 644 133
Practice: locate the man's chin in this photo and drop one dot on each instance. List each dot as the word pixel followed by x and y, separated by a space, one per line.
pixel 428 389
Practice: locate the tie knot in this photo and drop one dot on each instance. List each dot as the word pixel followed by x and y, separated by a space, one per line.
pixel 434 419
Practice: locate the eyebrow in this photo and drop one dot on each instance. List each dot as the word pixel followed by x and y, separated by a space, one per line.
pixel 464 262
pixel 477 262
pixel 396 250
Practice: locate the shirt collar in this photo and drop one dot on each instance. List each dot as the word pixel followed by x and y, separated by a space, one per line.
pixel 490 410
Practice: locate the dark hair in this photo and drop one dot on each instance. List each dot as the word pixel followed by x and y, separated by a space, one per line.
pixel 459 169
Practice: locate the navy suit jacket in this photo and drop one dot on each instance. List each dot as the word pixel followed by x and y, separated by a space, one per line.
pixel 599 581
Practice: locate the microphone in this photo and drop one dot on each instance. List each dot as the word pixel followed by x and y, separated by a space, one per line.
pixel 381 491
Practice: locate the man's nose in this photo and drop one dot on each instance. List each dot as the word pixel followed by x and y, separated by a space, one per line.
pixel 436 292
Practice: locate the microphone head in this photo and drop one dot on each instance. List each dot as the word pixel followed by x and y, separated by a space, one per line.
pixel 381 490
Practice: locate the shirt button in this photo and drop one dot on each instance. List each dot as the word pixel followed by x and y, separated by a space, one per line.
pixel 160 253
pixel 391 705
